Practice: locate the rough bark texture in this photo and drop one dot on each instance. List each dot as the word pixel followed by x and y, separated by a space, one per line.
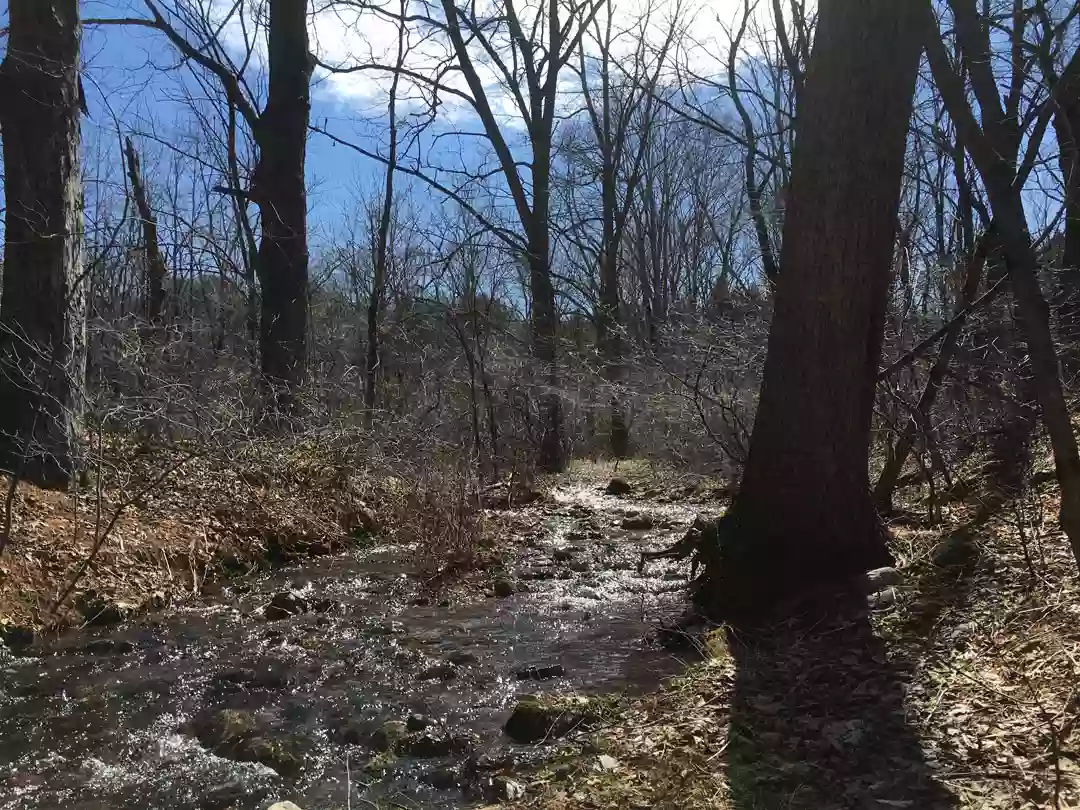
pixel 155 264
pixel 43 311
pixel 279 189
pixel 804 517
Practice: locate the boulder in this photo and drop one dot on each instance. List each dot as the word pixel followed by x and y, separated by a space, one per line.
pixel 387 736
pixel 619 487
pixel 283 806
pixel 443 779
pixel 283 605
pixel 533 721
pixel 504 789
pixel 562 555
pixel 504 588
pixel 638 522
pixel 417 722
pixel 881 578
pixel 540 673
pixel 438 672
pixel 882 599
pixel 956 551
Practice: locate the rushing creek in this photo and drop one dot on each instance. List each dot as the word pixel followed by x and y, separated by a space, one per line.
pixel 98 720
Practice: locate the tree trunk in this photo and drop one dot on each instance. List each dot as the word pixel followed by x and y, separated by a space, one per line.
pixel 1067 127
pixel 993 147
pixel 804 517
pixel 279 188
pixel 545 320
pixel 890 475
pixel 43 311
pixel 155 264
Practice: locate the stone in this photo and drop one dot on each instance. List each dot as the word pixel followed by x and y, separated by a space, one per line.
pixel 882 599
pixel 283 605
pixel 283 806
pixel 461 658
pixel 579 566
pixel 504 588
pixel 955 551
pixel 533 721
pixel 619 487
pixel 387 736
pixel 16 636
pixel 541 673
pixel 424 745
pixel 438 672
pixel 562 555
pixel 505 789
pixel 108 646
pixel 443 779
pixel 881 578
pixel 417 722
pixel 638 522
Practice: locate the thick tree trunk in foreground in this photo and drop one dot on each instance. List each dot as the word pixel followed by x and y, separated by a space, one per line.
pixel 804 515
pixel 43 312
pixel 279 189
pixel 155 264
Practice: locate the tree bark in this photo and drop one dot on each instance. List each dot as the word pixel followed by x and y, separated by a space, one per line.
pixel 43 311
pixel 155 264
pixel 804 517
pixel 279 188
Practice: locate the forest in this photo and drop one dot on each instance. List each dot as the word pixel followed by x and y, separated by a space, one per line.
pixel 540 403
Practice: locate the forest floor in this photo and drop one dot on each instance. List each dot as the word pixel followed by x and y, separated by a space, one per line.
pixel 961 688
pixel 166 523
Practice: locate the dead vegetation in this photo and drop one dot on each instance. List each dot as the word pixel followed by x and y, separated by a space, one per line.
pixel 965 692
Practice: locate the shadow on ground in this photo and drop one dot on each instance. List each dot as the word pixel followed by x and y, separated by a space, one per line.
pixel 818 720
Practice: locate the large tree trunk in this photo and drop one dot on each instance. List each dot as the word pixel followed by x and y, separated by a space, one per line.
pixel 804 517
pixel 545 320
pixel 279 189
pixel 43 312
pixel 155 264
pixel 608 326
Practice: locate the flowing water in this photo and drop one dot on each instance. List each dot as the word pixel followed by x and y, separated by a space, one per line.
pixel 97 720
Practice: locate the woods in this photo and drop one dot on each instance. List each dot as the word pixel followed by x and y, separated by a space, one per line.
pixel 782 297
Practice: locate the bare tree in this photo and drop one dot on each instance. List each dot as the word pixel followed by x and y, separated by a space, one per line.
pixel 43 312
pixel 994 141
pixel 277 184
pixel 156 272
pixel 804 517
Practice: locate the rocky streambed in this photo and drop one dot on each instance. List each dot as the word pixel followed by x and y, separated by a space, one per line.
pixel 333 683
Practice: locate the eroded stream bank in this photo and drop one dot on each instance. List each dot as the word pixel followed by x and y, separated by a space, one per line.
pixel 131 717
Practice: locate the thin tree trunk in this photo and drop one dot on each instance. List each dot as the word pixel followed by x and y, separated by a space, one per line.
pixel 155 264
pixel 1067 127
pixel 43 312
pixel 890 475
pixel 993 146
pixel 804 517
pixel 382 244
pixel 279 188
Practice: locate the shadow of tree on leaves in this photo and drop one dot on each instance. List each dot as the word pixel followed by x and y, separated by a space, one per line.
pixel 818 720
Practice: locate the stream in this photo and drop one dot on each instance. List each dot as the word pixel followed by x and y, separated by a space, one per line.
pixel 102 719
